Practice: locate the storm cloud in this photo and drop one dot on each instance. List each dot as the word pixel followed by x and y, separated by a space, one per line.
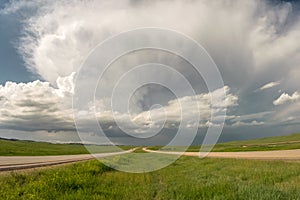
pixel 255 45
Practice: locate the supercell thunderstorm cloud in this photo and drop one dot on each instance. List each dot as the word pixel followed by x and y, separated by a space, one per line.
pixel 255 45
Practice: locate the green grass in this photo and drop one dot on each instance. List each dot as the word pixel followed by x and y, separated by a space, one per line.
pixel 264 144
pixel 30 148
pixel 187 178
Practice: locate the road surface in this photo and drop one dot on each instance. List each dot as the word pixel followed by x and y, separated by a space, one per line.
pixel 258 155
pixel 9 163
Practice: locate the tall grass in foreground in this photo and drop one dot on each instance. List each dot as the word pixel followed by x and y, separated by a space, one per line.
pixel 187 178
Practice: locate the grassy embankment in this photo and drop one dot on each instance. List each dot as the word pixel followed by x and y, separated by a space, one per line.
pixel 264 144
pixel 187 178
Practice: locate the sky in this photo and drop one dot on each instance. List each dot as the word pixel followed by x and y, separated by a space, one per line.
pixel 12 66
pixel 254 44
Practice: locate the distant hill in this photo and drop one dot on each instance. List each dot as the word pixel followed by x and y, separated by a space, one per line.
pixel 263 144
pixel 14 147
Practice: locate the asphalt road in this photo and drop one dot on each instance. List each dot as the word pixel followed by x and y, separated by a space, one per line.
pixel 9 163
pixel 257 155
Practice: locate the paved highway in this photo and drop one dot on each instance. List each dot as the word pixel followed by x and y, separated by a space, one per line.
pixel 9 163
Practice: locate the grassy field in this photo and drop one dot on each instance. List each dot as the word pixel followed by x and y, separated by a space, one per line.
pixel 187 178
pixel 264 144
pixel 29 148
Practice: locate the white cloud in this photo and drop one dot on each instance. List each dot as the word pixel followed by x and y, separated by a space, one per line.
pixel 252 123
pixel 60 34
pixel 187 106
pixel 268 86
pixel 66 84
pixel 35 106
pixel 252 116
pixel 286 98
pixel 182 111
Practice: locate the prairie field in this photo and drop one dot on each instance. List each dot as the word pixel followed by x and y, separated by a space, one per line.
pixel 31 148
pixel 187 178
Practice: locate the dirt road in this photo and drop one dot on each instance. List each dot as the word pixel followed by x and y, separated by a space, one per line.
pixel 258 155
